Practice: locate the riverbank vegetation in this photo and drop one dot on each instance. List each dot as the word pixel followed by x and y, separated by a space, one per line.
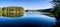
pixel 19 11
pixel 0 11
pixel 12 11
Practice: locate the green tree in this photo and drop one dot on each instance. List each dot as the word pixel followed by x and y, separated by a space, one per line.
pixel 56 11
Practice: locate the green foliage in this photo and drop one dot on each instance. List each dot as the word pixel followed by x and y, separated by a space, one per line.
pixel 0 11
pixel 56 10
pixel 33 10
pixel 13 11
pixel 57 6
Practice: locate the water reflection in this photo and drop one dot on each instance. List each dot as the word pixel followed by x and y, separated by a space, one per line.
pixel 35 18
pixel 25 14
pixel 9 14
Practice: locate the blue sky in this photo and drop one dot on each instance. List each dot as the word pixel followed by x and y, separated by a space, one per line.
pixel 27 4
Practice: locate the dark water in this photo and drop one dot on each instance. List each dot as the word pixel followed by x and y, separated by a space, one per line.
pixel 30 19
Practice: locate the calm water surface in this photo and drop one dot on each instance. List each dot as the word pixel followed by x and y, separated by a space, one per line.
pixel 29 18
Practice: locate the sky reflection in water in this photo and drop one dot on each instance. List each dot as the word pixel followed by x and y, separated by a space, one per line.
pixel 34 17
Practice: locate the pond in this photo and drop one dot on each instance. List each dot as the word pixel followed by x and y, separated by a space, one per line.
pixel 29 19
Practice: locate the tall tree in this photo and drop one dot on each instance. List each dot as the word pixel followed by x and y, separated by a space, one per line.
pixel 56 11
